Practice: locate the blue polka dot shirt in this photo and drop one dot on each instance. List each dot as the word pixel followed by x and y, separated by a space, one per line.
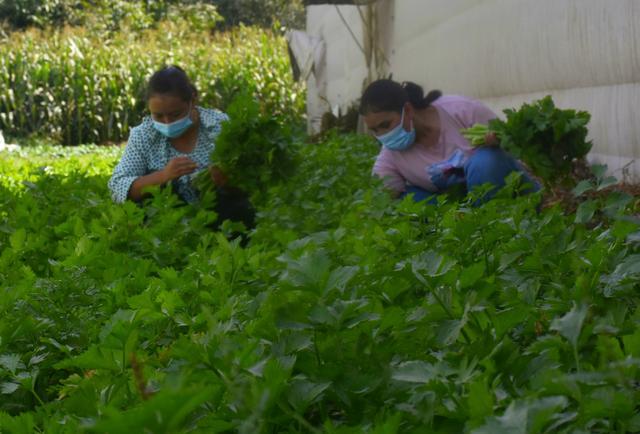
pixel 148 151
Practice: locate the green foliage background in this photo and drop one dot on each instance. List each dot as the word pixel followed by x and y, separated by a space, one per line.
pixel 145 13
pixel 346 312
pixel 265 13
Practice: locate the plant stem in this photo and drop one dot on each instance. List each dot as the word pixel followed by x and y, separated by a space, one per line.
pixel 301 420
pixel 484 249
pixel 315 347
pixel 451 315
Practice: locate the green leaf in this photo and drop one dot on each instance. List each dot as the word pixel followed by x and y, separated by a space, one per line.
pixel 634 237
pixel 18 239
pixel 9 387
pixel 449 331
pixel 509 258
pixel 632 344
pixel 582 187
pixel 526 417
pixel 585 211
pixel 340 277
pixel 303 393
pixel 634 423
pixel 599 170
pixel 164 412
pixel 545 410
pixel 513 421
pixel 570 325
pixel 607 182
pixel 624 277
pixel 413 372
pixel 169 302
pixel 390 426
pixel 310 271
pixel 480 400
pixel 11 362
pixel 432 264
pixel 471 275
pixel 95 357
pixel 21 424
pixel 322 315
pixel 629 267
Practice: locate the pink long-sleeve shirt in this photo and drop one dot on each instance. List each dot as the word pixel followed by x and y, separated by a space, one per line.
pixel 410 167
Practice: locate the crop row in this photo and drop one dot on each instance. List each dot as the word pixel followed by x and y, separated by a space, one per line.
pixel 346 312
pixel 73 86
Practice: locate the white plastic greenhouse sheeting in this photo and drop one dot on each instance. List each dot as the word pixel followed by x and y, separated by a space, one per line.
pixel 586 53
pixel 344 70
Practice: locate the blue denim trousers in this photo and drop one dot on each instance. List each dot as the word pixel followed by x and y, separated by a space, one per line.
pixel 486 165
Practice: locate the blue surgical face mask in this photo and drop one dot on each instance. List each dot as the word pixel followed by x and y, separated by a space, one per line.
pixel 398 139
pixel 174 129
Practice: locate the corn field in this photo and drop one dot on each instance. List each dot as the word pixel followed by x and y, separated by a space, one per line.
pixel 73 86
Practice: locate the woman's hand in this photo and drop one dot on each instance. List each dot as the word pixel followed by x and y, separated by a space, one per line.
pixel 178 167
pixel 491 139
pixel 218 176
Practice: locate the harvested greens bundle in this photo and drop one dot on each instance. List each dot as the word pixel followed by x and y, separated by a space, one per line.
pixel 254 149
pixel 477 134
pixel 544 137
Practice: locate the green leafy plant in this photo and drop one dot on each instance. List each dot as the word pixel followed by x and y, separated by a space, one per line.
pixel 347 311
pixel 255 149
pixel 544 137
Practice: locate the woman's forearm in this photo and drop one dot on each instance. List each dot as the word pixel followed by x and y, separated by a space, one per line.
pixel 137 187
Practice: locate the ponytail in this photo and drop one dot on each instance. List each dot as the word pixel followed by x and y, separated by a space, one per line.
pixel 388 95
pixel 416 97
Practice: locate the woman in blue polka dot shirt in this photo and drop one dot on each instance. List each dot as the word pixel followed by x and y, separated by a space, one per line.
pixel 172 145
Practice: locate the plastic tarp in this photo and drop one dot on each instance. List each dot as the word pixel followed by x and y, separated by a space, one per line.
pixel 308 53
pixel 585 53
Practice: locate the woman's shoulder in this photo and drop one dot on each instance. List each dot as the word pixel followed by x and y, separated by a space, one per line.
pixel 143 134
pixel 387 157
pixel 464 111
pixel 455 101
pixel 212 118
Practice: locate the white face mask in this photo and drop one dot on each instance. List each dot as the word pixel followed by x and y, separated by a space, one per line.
pixel 398 139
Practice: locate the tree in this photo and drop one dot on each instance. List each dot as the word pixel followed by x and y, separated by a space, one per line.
pixel 289 13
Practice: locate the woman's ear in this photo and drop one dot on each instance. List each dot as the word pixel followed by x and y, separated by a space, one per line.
pixel 194 95
pixel 409 112
pixel 194 103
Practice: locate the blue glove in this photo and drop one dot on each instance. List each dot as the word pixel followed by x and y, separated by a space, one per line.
pixel 449 172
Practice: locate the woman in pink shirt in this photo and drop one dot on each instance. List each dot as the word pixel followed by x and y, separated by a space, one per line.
pixel 423 152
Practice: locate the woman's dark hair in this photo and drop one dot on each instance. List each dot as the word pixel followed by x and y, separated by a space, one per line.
pixel 171 80
pixel 389 96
